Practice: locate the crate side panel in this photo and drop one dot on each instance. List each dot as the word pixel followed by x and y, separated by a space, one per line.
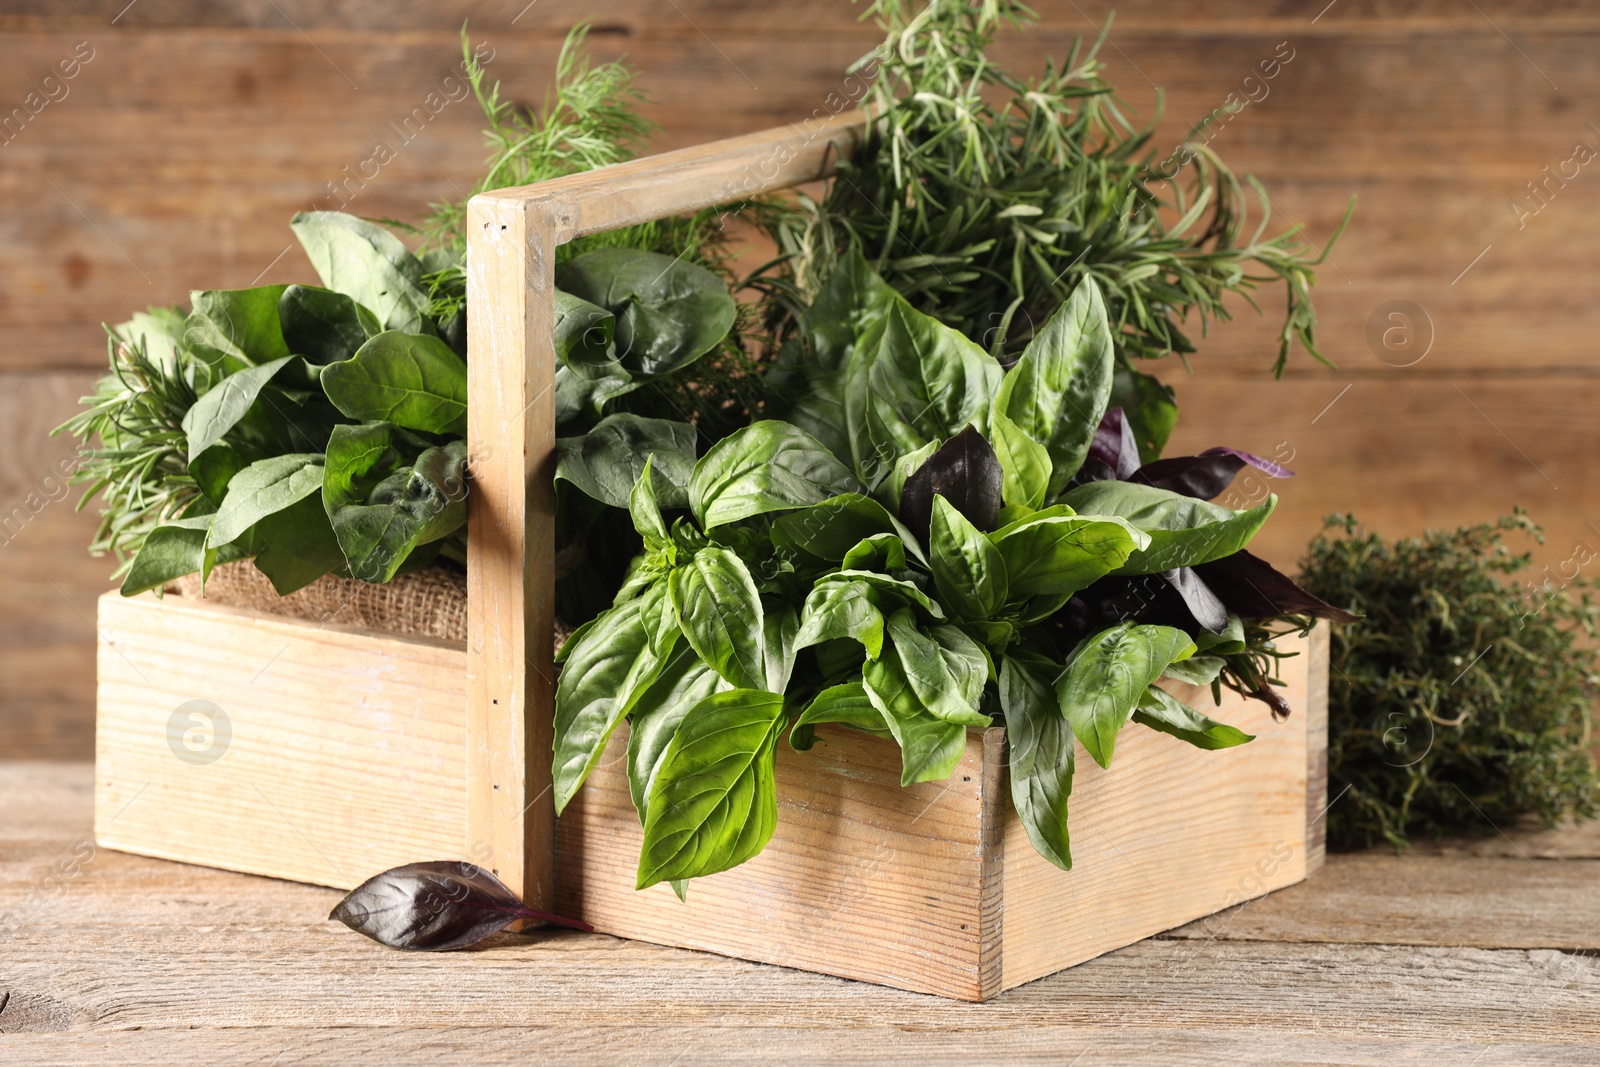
pixel 1168 835
pixel 862 879
pixel 347 752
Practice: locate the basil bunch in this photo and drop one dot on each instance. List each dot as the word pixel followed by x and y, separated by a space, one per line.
pixel 916 549
pixel 324 427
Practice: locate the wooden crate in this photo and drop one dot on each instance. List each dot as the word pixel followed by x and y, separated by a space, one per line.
pixel 325 754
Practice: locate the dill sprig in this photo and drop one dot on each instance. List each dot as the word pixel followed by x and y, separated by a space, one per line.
pixel 985 199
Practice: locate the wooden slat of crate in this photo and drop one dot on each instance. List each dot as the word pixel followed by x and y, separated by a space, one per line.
pixel 348 750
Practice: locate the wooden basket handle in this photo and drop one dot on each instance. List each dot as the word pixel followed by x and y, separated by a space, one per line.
pixel 512 235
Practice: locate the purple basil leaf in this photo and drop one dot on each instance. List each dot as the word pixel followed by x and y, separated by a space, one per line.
pixel 1254 589
pixel 1265 466
pixel 435 907
pixel 1206 475
pixel 1114 444
pixel 1198 597
pixel 1173 598
pixel 966 472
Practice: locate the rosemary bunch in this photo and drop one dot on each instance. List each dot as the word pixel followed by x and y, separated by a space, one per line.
pixel 985 199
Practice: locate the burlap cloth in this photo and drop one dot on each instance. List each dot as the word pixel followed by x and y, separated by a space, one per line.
pixel 429 603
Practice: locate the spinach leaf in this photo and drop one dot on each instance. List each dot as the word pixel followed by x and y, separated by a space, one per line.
pixel 1183 531
pixel 930 747
pixel 1042 755
pixel 410 379
pixel 713 804
pixel 220 409
pixel 1055 553
pixel 293 547
pixel 831 528
pixel 592 693
pixel 683 682
pixel 921 381
pixel 368 264
pixel 967 567
pixel 357 459
pixel 966 472
pixel 1106 677
pixel 583 334
pixel 1061 385
pixel 214 468
pixel 173 549
pixel 413 506
pixel 767 466
pixel 668 312
pixel 722 617
pixel 1160 710
pixel 231 329
pixel 848 704
pixel 264 487
pixel 324 326
pixel 607 462
pixel 842 609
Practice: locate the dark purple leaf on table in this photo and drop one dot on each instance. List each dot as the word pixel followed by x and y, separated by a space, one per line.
pixel 436 907
pixel 1254 589
pixel 966 472
pixel 1114 445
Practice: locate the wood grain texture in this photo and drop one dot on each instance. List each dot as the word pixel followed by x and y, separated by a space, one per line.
pixel 1222 827
pixel 346 756
pixel 207 966
pixel 1316 667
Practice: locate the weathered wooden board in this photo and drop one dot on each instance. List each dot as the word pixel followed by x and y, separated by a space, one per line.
pixel 205 966
pixel 316 753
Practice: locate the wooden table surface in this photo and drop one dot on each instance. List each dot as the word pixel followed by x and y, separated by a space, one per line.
pixel 1480 953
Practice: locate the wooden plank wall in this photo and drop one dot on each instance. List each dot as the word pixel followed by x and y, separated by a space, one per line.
pixel 174 157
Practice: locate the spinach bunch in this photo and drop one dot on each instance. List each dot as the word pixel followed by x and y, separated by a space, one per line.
pixel 321 429
pixel 909 552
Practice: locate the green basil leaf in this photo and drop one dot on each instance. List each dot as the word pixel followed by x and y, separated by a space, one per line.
pixel 780 629
pixel 264 487
pixel 767 466
pixel 220 409
pixel 1059 388
pixel 831 528
pixel 684 681
pixel 848 704
pixel 880 552
pixel 807 381
pixel 1057 554
pixel 414 506
pixel 1230 642
pixel 1162 711
pixel 410 379
pixel 941 679
pixel 583 334
pixel 967 567
pixel 714 801
pixel 644 511
pixel 902 592
pixel 230 329
pixel 923 382
pixel 668 312
pixel 1024 463
pixel 968 663
pixel 1183 531
pixel 892 488
pixel 846 609
pixel 930 747
pixel 591 697
pixel 368 264
pixel 324 326
pixel 606 462
pixel 1042 757
pixel 1148 405
pixel 721 614
pixel 1106 677
pixel 1196 670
